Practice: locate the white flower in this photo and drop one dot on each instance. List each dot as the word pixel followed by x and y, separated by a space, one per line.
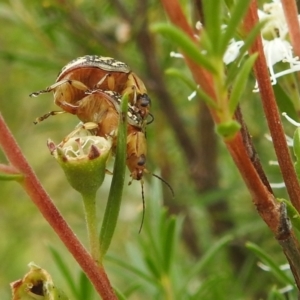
pixel 176 54
pixel 275 44
pixel 292 121
pixel 198 25
pixel 232 51
pixel 276 23
pixel 80 144
pixel 277 50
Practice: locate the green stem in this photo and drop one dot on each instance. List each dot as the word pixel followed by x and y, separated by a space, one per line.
pixel 168 291
pixel 89 201
pixel 41 199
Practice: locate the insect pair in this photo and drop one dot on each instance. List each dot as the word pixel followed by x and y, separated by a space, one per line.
pixel 91 87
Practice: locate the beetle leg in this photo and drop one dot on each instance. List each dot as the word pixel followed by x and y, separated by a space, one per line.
pixel 90 125
pixel 78 85
pixel 109 172
pixel 87 126
pixel 129 91
pixel 68 107
pixel 45 116
pixel 110 82
pixel 75 83
pixel 134 94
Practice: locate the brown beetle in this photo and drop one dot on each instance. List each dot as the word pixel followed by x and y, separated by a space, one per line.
pixel 100 110
pixel 92 72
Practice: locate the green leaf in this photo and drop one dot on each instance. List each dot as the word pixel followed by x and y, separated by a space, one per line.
pixel 284 102
pixel 240 83
pixel 131 268
pixel 249 40
pixel 64 270
pixel 236 15
pixel 85 287
pixel 213 18
pixel 119 294
pixel 185 43
pixel 274 294
pixel 229 4
pixel 168 243
pixel 116 189
pixel 153 267
pixel 205 260
pixel 227 130
pixel 190 83
pixel 11 177
pixel 274 268
pixel 296 148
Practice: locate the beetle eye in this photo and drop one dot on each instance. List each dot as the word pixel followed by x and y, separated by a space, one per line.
pixel 144 100
pixel 142 160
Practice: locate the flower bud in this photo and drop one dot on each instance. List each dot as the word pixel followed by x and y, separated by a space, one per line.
pixel 37 284
pixel 228 130
pixel 83 158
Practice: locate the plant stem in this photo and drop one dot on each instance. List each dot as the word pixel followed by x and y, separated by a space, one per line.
pixel 272 113
pixel 41 199
pixel 291 16
pixel 261 196
pixel 89 202
pixel 168 290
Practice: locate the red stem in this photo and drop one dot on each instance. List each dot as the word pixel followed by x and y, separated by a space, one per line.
pixel 261 196
pixel 11 170
pixel 291 17
pixel 42 200
pixel 264 200
pixel 201 76
pixel 272 113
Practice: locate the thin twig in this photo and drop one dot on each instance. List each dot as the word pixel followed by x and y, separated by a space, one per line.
pixel 272 113
pixel 291 16
pixel 251 150
pixel 262 198
pixel 47 208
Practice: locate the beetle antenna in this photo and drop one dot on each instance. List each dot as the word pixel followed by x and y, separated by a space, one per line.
pixel 151 120
pixel 143 199
pixel 166 183
pixel 144 207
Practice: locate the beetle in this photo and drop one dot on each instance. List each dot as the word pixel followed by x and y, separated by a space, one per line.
pixel 92 72
pixel 100 112
pixel 103 108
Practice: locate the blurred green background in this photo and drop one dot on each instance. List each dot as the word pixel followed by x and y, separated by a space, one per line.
pixel 37 39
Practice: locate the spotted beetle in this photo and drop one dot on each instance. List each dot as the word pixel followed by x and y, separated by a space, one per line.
pixel 92 72
pixel 100 112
